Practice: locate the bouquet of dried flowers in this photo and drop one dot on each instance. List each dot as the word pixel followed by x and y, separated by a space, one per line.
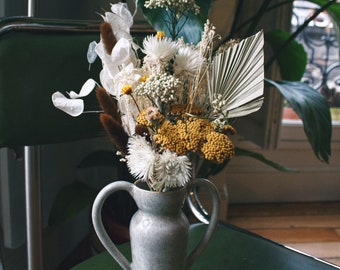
pixel 167 103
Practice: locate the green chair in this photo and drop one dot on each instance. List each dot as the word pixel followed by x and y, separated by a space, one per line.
pixel 37 58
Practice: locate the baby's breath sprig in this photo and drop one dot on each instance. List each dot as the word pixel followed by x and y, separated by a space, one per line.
pixel 181 6
pixel 160 89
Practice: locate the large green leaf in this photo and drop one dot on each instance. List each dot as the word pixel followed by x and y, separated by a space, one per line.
pixel 193 27
pixel 314 111
pixel 208 168
pixel 334 11
pixel 70 201
pixel 292 59
pixel 247 153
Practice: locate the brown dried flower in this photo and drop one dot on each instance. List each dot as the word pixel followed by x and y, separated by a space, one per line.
pixel 108 38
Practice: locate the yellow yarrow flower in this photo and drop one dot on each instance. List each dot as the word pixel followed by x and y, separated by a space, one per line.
pixel 149 117
pixel 218 147
pixel 228 129
pixel 195 135
pixel 197 130
pixel 168 136
pixel 182 109
pixel 184 136
pixel 141 119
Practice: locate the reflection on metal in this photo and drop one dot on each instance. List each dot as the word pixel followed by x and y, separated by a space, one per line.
pixel 320 42
pixel 196 207
pixel 33 207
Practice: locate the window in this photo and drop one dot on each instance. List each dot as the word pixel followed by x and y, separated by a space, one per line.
pixel 283 141
pixel 323 68
pixel 323 73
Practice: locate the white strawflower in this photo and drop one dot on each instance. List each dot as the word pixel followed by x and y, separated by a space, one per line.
pixel 141 158
pixel 158 50
pixel 187 60
pixel 172 171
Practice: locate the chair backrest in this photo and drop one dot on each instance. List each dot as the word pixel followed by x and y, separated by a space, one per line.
pixel 37 58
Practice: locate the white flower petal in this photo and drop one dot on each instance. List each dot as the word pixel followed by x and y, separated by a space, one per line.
pixel 121 51
pixel 121 10
pixel 73 107
pixel 122 55
pixel 86 89
pixel 91 53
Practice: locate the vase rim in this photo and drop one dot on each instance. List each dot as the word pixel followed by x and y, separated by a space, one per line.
pixel 142 185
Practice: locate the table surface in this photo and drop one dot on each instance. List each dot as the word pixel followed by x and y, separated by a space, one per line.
pixel 231 248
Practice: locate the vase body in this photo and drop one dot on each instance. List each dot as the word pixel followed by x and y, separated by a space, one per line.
pixel 158 230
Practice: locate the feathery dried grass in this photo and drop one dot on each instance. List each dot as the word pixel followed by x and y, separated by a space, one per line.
pixel 115 131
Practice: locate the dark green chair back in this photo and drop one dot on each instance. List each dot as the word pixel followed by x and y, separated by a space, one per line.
pixel 37 58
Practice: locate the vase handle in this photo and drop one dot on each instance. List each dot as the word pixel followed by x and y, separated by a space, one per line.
pixel 98 223
pixel 212 221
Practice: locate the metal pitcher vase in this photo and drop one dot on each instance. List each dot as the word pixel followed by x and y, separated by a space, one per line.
pixel 159 229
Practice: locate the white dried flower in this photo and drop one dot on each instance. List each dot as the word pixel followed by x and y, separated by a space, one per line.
pixel 218 103
pixel 172 171
pixel 207 40
pixel 187 60
pixel 158 52
pixel 141 158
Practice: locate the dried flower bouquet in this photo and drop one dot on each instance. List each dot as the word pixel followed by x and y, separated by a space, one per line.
pixel 175 105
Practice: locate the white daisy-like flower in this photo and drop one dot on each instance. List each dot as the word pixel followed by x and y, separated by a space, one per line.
pixel 141 158
pixel 159 49
pixel 187 60
pixel 172 170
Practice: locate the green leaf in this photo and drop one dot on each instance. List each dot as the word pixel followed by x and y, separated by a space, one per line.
pixel 192 28
pixel 292 59
pixel 209 168
pixel 314 111
pixel 243 152
pixel 70 201
pixel 334 12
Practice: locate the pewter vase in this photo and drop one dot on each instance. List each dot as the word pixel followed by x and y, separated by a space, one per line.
pixel 159 229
